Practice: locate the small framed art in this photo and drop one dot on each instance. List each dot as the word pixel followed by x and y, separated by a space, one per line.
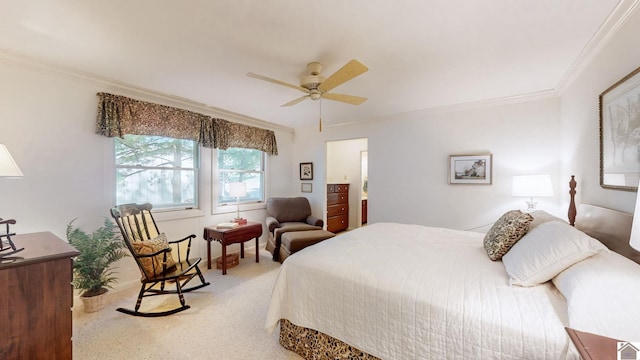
pixel 306 171
pixel 470 169
pixel 306 187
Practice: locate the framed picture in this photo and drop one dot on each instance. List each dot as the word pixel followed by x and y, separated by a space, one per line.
pixel 620 134
pixel 470 169
pixel 306 171
pixel 306 187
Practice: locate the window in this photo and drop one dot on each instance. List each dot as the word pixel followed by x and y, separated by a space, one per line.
pixel 159 170
pixel 240 165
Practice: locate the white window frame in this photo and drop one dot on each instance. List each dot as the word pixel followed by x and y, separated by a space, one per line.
pixel 231 207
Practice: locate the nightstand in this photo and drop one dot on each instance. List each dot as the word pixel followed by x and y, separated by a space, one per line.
pixel 592 346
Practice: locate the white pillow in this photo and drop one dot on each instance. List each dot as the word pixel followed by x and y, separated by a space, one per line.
pixel 545 251
pixel 602 295
pixel 541 217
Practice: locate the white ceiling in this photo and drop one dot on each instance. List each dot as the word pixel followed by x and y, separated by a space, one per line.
pixel 421 54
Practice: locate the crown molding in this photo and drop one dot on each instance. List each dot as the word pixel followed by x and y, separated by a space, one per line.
pixel 618 17
pixel 466 106
pixel 110 85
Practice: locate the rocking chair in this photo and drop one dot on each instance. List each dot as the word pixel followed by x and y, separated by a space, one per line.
pixel 7 247
pixel 153 255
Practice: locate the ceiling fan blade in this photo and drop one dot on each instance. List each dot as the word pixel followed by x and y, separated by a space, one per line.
pixel 295 101
pixel 262 77
pixel 350 70
pixel 349 99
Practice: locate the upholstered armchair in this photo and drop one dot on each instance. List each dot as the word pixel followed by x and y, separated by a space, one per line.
pixel 286 215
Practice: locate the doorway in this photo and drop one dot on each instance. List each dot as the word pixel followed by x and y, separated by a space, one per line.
pixel 347 163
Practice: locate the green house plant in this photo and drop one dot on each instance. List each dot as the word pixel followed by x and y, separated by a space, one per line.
pixel 93 268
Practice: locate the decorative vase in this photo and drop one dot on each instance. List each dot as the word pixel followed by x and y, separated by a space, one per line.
pixel 94 303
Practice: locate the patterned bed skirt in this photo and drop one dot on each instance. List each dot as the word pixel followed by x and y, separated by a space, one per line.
pixel 312 344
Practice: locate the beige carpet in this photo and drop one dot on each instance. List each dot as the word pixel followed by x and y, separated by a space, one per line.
pixel 226 320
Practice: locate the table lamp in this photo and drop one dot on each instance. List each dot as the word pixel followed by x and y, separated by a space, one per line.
pixel 238 190
pixel 8 166
pixel 532 186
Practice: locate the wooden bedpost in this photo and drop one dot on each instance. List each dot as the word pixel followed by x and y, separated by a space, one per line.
pixel 572 203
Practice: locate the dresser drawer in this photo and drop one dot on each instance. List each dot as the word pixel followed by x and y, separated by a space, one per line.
pixel 337 198
pixel 337 223
pixel 337 188
pixel 340 209
pixel 341 188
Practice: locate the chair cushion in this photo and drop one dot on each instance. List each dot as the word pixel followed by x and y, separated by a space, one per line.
pixel 298 240
pixel 153 265
pixel 292 227
pixel 295 226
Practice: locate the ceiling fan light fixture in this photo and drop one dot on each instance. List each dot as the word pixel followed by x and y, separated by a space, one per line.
pixel 315 94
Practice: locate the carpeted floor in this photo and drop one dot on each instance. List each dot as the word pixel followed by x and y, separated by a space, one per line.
pixel 226 321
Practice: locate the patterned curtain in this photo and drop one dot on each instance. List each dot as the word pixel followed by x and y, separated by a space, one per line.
pixel 120 115
pixel 228 134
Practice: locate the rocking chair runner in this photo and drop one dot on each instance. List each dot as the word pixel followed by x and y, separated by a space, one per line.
pixel 141 235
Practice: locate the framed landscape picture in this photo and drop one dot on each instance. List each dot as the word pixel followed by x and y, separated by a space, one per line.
pixel 620 134
pixel 470 169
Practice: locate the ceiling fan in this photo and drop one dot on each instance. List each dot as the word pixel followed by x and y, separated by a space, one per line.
pixel 317 87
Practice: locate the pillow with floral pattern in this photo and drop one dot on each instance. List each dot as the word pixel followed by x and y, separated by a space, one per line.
pixel 509 228
pixel 153 265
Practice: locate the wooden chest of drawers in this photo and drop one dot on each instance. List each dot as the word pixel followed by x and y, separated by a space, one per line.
pixel 337 207
pixel 36 300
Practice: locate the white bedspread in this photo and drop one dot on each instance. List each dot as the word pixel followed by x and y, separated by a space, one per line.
pixel 412 292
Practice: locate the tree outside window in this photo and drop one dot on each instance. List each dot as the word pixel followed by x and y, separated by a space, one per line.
pixel 159 170
pixel 240 165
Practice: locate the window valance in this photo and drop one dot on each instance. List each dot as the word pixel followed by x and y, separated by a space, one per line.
pixel 120 115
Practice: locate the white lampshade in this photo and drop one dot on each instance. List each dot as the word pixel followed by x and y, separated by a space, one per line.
pixel 237 189
pixel 532 186
pixel 614 179
pixel 8 166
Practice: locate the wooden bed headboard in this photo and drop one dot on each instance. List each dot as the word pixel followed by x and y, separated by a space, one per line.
pixel 611 227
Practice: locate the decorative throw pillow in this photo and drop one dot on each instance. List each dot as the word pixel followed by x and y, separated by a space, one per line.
pixel 509 228
pixel 153 265
pixel 546 251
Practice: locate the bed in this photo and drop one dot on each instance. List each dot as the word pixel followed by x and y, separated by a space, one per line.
pixel 400 291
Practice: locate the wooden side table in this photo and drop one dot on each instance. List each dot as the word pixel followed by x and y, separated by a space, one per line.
pixel 240 234
pixel 592 346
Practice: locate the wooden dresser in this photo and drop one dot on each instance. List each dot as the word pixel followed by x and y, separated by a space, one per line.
pixel 36 300
pixel 365 210
pixel 337 207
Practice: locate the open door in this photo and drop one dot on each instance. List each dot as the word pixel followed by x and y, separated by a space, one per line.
pixel 345 166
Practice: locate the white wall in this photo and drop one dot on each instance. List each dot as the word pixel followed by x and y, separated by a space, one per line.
pixel 47 120
pixel 409 154
pixel 580 119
